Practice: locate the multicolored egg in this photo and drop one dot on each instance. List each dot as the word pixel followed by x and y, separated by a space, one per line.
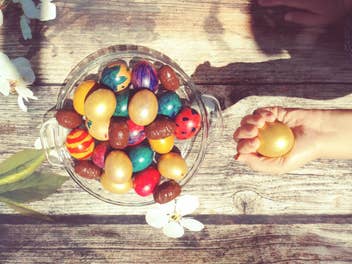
pixel 118 167
pixel 113 187
pixel 143 107
pixel 172 166
pixel 188 123
pixel 100 105
pixel 80 144
pixel 116 76
pixel 122 103
pixel 98 129
pixel 162 145
pixel 81 93
pixel 136 133
pixel 169 104
pixel 144 182
pixel 141 157
pixel 144 75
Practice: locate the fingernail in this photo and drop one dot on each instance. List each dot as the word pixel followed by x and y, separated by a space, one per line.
pixel 288 17
pixel 236 156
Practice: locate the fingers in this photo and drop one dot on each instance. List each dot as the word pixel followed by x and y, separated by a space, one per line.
pixel 301 4
pixel 245 131
pixel 306 19
pixel 246 146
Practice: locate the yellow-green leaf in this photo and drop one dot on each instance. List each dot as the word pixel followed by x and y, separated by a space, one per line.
pixel 24 210
pixel 20 165
pixel 35 187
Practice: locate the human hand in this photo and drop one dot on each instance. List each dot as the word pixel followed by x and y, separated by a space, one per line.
pixel 306 126
pixel 312 12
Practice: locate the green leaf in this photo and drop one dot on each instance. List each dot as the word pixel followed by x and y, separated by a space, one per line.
pixel 20 165
pixel 22 209
pixel 35 187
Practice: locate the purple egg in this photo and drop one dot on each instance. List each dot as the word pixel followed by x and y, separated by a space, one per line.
pixel 144 75
pixel 137 134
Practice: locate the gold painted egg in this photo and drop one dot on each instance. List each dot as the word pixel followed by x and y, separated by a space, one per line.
pixel 143 107
pixel 172 166
pixel 276 140
pixel 100 105
pixel 80 94
pixel 162 145
pixel 98 129
pixel 113 187
pixel 118 167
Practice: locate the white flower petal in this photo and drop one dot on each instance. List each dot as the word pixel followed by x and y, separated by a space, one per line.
pixel 21 104
pixel 38 144
pixel 24 67
pixel 1 18
pixel 4 87
pixel 191 224
pixel 167 208
pixel 8 69
pixel 173 229
pixel 29 9
pixel 156 218
pixel 25 92
pixel 47 10
pixel 187 204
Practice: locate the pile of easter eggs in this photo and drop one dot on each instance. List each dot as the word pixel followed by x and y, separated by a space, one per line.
pixel 124 127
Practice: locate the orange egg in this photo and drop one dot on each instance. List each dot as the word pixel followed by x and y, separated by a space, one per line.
pixel 100 105
pixel 276 140
pixel 80 144
pixel 163 145
pixel 118 167
pixel 172 166
pixel 143 107
pixel 98 129
pixel 80 95
pixel 113 187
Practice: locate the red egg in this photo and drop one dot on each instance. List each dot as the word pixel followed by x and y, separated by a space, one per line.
pixel 137 134
pixel 188 123
pixel 99 154
pixel 144 182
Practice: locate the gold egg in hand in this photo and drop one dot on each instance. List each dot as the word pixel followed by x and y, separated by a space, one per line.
pixel 276 140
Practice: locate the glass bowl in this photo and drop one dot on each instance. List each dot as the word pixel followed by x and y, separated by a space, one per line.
pixel 192 150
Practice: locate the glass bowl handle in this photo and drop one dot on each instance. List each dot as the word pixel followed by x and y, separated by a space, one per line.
pixel 214 117
pixel 52 138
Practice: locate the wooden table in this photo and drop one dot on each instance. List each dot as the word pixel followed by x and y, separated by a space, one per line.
pixel 300 217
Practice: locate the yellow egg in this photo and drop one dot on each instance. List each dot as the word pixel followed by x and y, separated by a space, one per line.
pixel 80 95
pixel 118 188
pixel 172 166
pixel 163 145
pixel 100 105
pixel 276 140
pixel 118 167
pixel 98 129
pixel 143 107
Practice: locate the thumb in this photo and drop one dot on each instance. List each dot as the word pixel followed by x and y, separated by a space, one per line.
pixel 262 164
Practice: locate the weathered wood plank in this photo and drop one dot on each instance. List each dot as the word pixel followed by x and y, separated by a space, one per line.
pixel 223 185
pixel 192 33
pixel 120 243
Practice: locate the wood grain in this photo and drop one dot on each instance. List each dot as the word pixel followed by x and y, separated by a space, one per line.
pixel 119 243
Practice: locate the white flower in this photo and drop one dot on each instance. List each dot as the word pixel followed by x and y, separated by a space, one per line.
pixel 170 216
pixel 1 18
pixel 15 76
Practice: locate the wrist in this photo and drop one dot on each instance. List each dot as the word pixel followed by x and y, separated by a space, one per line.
pixel 335 138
